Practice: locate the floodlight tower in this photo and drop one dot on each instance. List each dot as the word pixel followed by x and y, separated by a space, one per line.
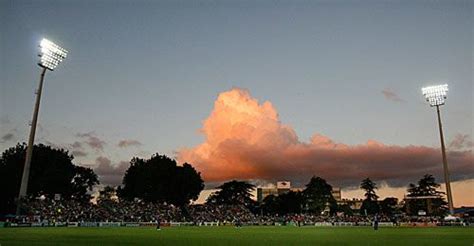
pixel 50 56
pixel 436 96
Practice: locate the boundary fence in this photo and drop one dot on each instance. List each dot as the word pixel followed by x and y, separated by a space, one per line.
pixel 210 224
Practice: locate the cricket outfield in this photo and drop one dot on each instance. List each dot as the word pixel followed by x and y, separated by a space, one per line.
pixel 227 235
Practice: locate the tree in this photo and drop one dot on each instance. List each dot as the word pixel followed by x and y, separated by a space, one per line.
pixel 369 205
pixel 425 196
pixel 369 186
pixel 83 182
pixel 290 202
pixel 51 172
pixel 160 179
pixel 388 206
pixel 270 205
pixel 318 196
pixel 234 193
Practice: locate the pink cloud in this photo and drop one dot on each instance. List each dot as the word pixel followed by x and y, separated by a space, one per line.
pixel 244 139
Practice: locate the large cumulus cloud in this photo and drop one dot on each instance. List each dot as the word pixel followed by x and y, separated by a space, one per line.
pixel 244 139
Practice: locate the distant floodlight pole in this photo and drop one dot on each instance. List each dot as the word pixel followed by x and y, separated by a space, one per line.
pixel 436 96
pixel 50 57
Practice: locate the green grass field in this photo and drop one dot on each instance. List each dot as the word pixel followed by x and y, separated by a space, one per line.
pixel 233 236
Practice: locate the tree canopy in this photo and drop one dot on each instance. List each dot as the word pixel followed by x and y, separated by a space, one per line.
pixel 52 172
pixel 370 204
pixel 432 201
pixel 233 192
pixel 388 206
pixel 290 202
pixel 318 196
pixel 369 187
pixel 160 179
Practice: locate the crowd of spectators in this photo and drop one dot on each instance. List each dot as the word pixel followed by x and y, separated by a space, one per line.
pixel 220 213
pixel 52 211
pixel 49 210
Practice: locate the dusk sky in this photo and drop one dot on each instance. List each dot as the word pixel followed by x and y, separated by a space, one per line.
pixel 255 90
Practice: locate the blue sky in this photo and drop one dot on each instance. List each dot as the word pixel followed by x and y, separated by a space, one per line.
pixel 150 71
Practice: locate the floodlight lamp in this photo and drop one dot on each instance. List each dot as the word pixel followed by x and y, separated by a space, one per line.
pixel 51 54
pixel 435 95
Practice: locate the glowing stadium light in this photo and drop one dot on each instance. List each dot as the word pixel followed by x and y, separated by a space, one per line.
pixel 435 95
pixel 50 57
pixel 50 54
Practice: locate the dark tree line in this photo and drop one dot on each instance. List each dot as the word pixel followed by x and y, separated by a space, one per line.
pixel 52 172
pixel 422 196
pixel 158 179
pixel 315 198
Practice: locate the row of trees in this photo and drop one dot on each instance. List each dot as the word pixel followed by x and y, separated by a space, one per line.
pixel 317 197
pixel 161 179
pixel 53 172
pixel 422 196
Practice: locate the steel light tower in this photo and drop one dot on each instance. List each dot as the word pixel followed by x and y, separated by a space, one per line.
pixel 50 56
pixel 436 96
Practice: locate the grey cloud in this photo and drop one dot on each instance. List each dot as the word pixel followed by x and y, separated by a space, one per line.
pixel 76 145
pixel 92 140
pixel 110 174
pixel 128 142
pixel 461 141
pixel 7 137
pixel 391 95
pixel 79 153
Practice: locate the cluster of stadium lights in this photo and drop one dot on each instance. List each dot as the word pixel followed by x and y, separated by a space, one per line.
pixel 51 54
pixel 435 95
